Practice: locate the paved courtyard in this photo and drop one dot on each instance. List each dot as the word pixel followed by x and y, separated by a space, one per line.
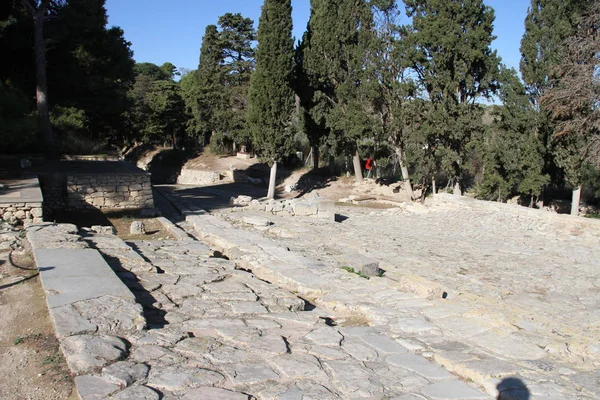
pixel 478 301
pixel 486 290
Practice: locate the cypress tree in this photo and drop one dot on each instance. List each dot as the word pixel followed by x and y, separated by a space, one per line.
pixel 513 153
pixel 547 25
pixel 271 97
pixel 338 37
pixel 455 67
pixel 204 94
pixel 572 101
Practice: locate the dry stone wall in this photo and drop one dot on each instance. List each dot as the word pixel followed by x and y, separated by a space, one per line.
pixel 23 212
pixel 114 191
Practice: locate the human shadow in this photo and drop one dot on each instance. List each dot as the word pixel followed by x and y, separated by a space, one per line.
pixel 512 388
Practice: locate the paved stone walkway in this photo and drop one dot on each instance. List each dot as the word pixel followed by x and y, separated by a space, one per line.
pixel 521 288
pixel 501 303
pixel 217 332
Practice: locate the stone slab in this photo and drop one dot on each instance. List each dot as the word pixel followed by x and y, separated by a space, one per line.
pixel 72 275
pixel 452 390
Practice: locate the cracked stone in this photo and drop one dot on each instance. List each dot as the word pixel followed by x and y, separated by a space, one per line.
pixel 86 352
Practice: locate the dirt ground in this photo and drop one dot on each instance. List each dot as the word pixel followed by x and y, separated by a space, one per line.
pixel 121 220
pixel 31 363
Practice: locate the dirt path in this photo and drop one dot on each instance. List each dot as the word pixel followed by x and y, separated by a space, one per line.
pixel 31 363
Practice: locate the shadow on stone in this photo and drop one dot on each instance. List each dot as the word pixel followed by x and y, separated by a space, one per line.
pixel 340 218
pixel 512 389
pixel 155 317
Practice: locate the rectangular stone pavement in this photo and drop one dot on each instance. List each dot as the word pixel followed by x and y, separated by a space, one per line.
pixel 72 275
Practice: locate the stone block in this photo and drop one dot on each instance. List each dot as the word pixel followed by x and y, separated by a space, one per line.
pixel 106 230
pixel 94 387
pixel 137 228
pixel 306 208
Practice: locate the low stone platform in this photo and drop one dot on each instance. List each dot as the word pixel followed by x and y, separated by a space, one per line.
pixel 21 199
pixel 90 307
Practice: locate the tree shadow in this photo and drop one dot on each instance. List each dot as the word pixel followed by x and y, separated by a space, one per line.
pixel 166 165
pixel 313 180
pixel 512 388
pixel 155 317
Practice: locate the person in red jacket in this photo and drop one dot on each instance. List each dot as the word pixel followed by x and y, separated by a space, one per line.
pixel 369 164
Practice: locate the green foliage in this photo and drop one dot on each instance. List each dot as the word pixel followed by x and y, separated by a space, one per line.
pixel 448 45
pixel 202 89
pixel 511 149
pixel 334 74
pixel 271 94
pixel 89 67
pixel 158 113
pixel 18 123
pixel 353 271
pixel 216 94
pixel 547 24
pixel 71 126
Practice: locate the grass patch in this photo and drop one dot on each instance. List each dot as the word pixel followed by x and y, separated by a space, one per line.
pixel 353 271
pixel 593 216
pixel 27 338
pixel 52 359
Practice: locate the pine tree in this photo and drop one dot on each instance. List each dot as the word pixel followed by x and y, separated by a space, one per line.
pixel 236 37
pixel 455 67
pixel 271 94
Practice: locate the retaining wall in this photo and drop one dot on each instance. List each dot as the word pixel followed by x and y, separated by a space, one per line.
pixel 118 191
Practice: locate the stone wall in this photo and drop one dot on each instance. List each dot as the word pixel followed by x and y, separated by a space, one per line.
pixel 21 212
pixel 112 191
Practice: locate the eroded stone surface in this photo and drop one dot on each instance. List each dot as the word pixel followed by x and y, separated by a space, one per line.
pixel 85 353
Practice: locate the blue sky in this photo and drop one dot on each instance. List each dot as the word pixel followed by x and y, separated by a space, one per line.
pixel 162 31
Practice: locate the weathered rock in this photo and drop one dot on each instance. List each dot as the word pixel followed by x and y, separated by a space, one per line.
pixel 137 228
pixel 136 393
pixel 213 393
pixel 250 373
pixel 94 388
pixel 85 353
pixel 452 390
pixel 105 230
pixel 125 373
pixel 256 221
pixel 180 378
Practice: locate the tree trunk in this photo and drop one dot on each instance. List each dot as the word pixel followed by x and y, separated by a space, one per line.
pixel 357 168
pixel 315 154
pixel 331 164
pixel 404 169
pixel 433 187
pixel 272 179
pixel 575 201
pixel 457 191
pixel 45 127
